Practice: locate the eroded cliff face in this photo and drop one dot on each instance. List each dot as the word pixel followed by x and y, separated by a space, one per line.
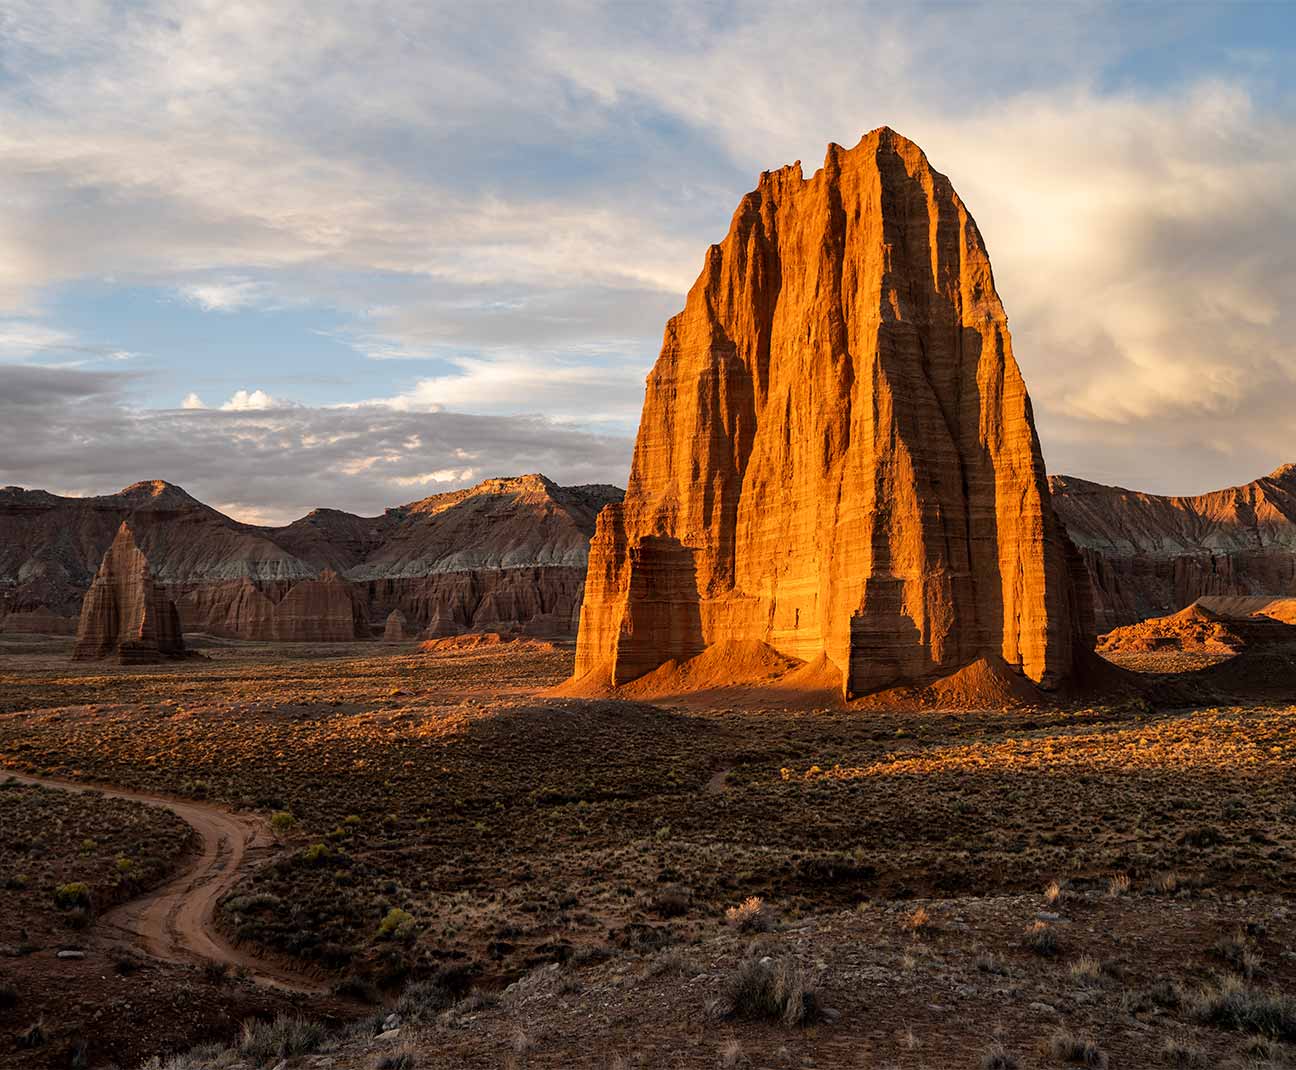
pixel 125 614
pixel 507 555
pixel 836 454
pixel 1149 554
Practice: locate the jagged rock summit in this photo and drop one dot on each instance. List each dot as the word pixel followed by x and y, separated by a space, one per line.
pixel 836 455
pixel 125 614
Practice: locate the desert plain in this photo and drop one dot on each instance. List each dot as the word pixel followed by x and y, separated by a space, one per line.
pixel 445 865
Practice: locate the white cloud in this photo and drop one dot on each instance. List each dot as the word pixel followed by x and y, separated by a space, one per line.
pixel 192 401
pixel 229 295
pixel 249 401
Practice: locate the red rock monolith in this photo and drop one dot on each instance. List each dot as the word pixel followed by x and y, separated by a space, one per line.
pixel 836 455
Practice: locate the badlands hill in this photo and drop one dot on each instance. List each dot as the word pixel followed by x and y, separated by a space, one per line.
pixel 1148 555
pixel 507 554
pixel 836 457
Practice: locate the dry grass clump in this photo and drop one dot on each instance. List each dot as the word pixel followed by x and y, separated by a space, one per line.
pixel 1182 1054
pixel 1041 938
pixel 404 1057
pixel 1239 953
pixel 1118 884
pixel 672 962
pixel 1056 892
pixel 752 915
pixel 997 1057
pixel 1234 1004
pixel 1088 971
pixel 280 1038
pixel 770 988
pixel 919 921
pixel 1071 1048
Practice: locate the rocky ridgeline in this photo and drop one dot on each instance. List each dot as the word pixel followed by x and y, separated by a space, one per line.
pixel 1149 554
pixel 507 555
pixel 836 455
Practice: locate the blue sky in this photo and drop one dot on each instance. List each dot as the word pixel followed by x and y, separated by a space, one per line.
pixel 348 254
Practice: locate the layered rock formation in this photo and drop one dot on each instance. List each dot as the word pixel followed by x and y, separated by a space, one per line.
pixel 394 629
pixel 506 555
pixel 125 614
pixel 836 455
pixel 1148 555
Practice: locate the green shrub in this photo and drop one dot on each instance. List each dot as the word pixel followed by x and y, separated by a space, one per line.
pixel 283 822
pixel 397 925
pixel 76 894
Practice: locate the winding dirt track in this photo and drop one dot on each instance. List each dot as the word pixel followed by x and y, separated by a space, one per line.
pixel 176 921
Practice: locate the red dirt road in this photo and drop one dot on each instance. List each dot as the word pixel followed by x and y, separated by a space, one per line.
pixel 176 921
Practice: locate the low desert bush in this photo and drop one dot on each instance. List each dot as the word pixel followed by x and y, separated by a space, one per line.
pixel 1041 938
pixel 1184 1055
pixel 671 962
pixel 752 915
pixel 1082 1051
pixel 286 1035
pixel 423 1000
pixel 1237 951
pixel 1055 893
pixel 998 1058
pixel 918 921
pixel 1118 884
pixel 282 822
pixel 1234 1004
pixel 769 988
pixel 75 894
pixel 397 925
pixel 403 1058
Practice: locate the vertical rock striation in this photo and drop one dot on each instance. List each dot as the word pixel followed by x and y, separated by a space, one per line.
pixel 125 613
pixel 837 455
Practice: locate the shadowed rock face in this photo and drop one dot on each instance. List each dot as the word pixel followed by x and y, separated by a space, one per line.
pixel 836 454
pixel 1148 554
pixel 125 614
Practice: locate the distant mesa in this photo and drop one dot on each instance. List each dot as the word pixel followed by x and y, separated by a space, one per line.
pixel 1148 555
pixel 836 456
pixel 126 615
pixel 505 555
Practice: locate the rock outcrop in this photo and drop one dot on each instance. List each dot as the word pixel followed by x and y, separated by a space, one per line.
pixel 507 555
pixel 1149 555
pixel 322 610
pixel 125 614
pixel 394 629
pixel 836 455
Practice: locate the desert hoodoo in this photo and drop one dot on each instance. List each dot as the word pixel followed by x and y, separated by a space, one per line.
pixel 836 455
pixel 125 613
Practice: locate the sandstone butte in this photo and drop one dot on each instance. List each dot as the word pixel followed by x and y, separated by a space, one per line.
pixel 125 614
pixel 507 555
pixel 836 456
